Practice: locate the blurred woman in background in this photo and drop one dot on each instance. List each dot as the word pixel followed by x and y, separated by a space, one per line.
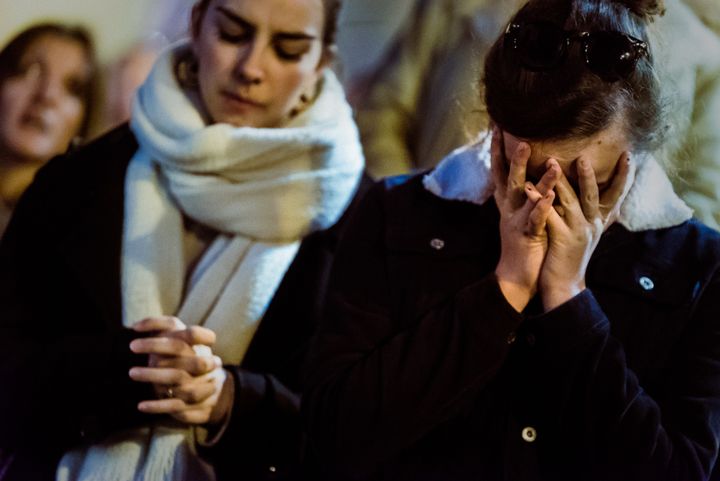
pixel 47 77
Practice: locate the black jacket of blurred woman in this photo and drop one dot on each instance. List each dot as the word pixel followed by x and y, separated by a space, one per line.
pixel 47 86
pixel 159 285
pixel 541 306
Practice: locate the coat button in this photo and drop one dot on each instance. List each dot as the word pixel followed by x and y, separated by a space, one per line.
pixel 272 469
pixel 529 434
pixel 530 339
pixel 646 283
pixel 437 244
pixel 511 338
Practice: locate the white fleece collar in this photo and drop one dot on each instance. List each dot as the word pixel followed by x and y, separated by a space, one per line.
pixel 651 202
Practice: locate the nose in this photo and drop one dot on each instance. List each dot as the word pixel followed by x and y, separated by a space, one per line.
pixel 250 64
pixel 48 89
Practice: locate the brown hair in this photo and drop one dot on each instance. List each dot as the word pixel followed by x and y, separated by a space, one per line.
pixel 331 10
pixel 570 101
pixel 11 56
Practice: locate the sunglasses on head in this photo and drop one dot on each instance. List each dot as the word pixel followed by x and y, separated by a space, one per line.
pixel 543 46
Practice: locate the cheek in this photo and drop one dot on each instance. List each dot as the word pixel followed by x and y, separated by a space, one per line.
pixel 13 99
pixel 290 83
pixel 72 112
pixel 214 61
pixel 605 167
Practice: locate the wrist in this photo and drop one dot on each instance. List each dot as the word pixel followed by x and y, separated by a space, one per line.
pixel 516 294
pixel 558 295
pixel 222 408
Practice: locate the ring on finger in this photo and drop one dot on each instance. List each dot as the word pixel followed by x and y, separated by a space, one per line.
pixel 169 393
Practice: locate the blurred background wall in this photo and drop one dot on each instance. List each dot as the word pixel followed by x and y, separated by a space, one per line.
pixel 115 24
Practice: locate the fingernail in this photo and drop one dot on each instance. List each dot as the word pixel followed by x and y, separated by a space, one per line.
pixel 142 406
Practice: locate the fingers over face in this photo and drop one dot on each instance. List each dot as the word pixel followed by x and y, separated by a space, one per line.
pixel 568 200
pixel 537 219
pixel 550 177
pixel 622 180
pixel 518 174
pixel 498 163
pixel 587 183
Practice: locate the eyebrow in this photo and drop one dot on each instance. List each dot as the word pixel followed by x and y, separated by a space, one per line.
pixel 234 17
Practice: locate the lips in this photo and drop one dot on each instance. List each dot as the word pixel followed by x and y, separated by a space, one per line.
pixel 36 120
pixel 241 100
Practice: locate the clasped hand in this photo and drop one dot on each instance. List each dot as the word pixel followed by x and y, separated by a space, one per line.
pixel 548 232
pixel 188 379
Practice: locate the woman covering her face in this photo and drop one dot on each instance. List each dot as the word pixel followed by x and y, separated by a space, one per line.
pixel 47 74
pixel 159 286
pixel 541 306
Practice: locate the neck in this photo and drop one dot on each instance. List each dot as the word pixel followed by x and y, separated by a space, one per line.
pixel 15 176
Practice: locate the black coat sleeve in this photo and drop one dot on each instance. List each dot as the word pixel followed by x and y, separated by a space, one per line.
pixel 377 385
pixel 263 438
pixel 592 398
pixel 63 364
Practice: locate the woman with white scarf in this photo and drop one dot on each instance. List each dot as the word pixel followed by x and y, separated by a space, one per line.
pixel 159 286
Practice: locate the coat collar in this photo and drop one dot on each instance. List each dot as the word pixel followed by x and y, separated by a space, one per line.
pixel 651 202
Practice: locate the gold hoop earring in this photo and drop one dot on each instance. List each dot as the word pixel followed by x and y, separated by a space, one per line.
pixel 304 102
pixel 300 107
pixel 186 71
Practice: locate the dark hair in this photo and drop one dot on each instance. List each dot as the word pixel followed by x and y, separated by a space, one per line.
pixel 570 101
pixel 11 56
pixel 331 8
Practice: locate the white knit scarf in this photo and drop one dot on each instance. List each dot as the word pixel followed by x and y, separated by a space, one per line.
pixel 650 203
pixel 262 189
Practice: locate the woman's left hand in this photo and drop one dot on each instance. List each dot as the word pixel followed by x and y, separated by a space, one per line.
pixel 191 384
pixel 575 226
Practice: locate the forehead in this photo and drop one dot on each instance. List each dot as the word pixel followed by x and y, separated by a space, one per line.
pixel 57 50
pixel 305 16
pixel 608 141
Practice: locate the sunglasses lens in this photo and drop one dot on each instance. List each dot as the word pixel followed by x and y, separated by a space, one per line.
pixel 611 55
pixel 541 45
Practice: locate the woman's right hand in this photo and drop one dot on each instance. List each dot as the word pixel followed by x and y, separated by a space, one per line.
pixel 575 227
pixel 524 210
pixel 190 382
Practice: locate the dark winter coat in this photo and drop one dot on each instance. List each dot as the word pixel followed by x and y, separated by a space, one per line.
pixel 423 371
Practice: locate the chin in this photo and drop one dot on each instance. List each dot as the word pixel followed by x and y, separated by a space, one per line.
pixel 35 155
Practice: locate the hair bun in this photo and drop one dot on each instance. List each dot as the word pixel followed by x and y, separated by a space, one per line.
pixel 644 8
